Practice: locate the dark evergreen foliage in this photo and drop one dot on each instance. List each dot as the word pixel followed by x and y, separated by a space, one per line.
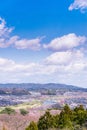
pixel 67 119
pixel 32 126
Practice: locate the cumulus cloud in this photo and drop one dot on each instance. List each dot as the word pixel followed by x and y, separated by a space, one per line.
pixel 70 61
pixel 11 67
pixel 66 42
pixel 69 67
pixel 11 71
pixel 33 44
pixel 66 62
pixel 78 4
pixel 63 43
pixel 58 64
pixel 15 41
pixel 64 58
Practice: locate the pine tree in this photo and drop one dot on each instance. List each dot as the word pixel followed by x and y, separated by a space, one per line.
pixel 45 122
pixel 32 126
pixel 64 121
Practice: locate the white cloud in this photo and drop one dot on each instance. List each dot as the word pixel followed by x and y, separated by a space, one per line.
pixel 68 62
pixel 64 58
pixel 67 65
pixel 4 31
pixel 78 4
pixel 33 44
pixel 65 42
pixel 15 41
pixel 55 68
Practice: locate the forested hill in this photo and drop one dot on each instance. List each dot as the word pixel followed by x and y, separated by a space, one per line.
pixel 38 86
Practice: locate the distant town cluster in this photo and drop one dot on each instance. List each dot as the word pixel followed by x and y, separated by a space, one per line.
pixel 42 95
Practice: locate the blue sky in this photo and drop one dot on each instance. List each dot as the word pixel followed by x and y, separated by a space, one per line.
pixel 43 41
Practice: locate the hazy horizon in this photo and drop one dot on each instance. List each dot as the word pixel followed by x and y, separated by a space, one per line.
pixel 43 83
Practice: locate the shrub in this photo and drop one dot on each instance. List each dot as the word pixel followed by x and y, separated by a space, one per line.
pixel 8 110
pixel 23 112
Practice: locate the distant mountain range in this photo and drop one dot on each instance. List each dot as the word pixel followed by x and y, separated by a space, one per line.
pixel 39 87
